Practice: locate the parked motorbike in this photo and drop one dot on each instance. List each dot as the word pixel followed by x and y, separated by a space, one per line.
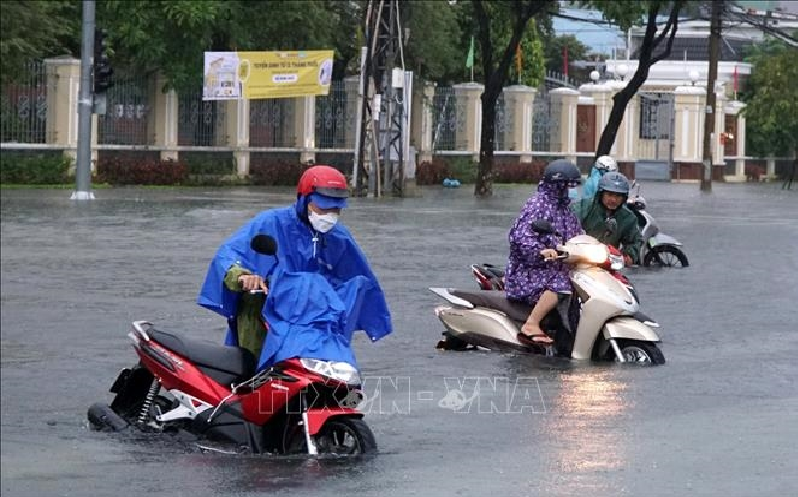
pixel 600 321
pixel 659 249
pixel 300 405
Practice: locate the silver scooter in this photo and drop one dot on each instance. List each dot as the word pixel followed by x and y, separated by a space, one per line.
pixel 600 321
pixel 659 249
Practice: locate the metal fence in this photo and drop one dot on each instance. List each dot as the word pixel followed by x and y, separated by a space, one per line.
pixel 502 124
pixel 271 123
pixel 655 129
pixel 546 123
pixel 200 123
pixel 335 118
pixel 126 119
pixel 447 119
pixel 23 106
pixel 556 79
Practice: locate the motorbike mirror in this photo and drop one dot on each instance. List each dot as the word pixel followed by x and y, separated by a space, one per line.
pixel 611 224
pixel 263 244
pixel 542 227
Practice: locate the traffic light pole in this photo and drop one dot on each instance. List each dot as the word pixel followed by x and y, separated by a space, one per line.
pixel 83 166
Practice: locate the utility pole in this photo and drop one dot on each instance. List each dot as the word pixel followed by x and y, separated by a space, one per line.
pixel 711 101
pixel 376 135
pixel 83 166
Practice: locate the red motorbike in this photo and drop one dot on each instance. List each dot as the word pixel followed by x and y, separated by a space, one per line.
pixel 300 405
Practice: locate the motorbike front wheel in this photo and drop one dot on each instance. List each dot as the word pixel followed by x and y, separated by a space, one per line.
pixel 339 436
pixel 665 256
pixel 641 352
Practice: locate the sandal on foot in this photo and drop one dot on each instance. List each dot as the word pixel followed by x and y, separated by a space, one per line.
pixel 540 340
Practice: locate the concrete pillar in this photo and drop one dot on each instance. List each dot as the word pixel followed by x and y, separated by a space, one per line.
pixel 735 108
pixel 770 168
pixel 421 121
pixel 624 150
pixel 305 128
pixel 520 99
pixel 720 123
pixel 469 103
pixel 689 125
pixel 567 99
pixel 235 132
pixel 63 87
pixel 352 90
pixel 602 99
pixel 739 166
pixel 162 123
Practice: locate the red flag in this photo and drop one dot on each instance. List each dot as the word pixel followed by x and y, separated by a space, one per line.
pixel 565 60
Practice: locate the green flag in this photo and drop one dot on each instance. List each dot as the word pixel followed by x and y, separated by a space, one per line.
pixel 470 58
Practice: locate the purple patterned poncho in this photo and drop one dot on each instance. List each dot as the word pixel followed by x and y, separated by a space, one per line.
pixel 528 275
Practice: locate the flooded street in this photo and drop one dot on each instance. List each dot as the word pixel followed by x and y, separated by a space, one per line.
pixel 720 418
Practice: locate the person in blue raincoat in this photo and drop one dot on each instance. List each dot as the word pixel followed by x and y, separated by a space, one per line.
pixel 316 253
pixel 603 165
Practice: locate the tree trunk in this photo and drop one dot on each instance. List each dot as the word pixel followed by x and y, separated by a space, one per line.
pixel 483 186
pixel 788 181
pixel 621 100
pixel 646 60
pixel 494 80
pixel 712 76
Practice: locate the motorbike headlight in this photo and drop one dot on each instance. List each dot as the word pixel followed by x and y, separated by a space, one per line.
pixel 616 262
pixel 340 371
pixel 595 254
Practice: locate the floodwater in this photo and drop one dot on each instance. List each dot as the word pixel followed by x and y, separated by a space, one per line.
pixel 718 419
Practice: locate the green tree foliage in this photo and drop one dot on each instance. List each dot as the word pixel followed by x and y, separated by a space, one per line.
pixel 169 37
pixel 533 58
pixel 435 46
pixel 655 46
pixel 772 105
pixel 533 42
pixel 31 29
pixel 555 48
pixel 497 21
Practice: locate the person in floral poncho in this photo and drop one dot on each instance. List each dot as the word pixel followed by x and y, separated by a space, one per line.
pixel 532 275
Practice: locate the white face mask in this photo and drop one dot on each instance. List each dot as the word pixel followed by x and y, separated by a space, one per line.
pixel 324 223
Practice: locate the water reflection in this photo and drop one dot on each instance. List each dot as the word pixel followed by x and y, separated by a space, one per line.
pixel 584 416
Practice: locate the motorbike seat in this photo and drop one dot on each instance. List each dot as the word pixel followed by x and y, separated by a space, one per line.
pixel 496 299
pixel 224 364
pixel 491 270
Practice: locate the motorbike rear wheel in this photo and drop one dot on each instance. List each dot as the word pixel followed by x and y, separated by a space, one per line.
pixel 665 256
pixel 339 436
pixel 641 352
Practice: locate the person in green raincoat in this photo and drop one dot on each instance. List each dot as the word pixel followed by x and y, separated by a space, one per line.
pixel 610 203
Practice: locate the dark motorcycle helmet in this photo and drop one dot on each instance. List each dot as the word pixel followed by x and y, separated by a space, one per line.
pixel 614 182
pixel 562 171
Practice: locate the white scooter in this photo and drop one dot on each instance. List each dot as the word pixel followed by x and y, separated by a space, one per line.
pixel 659 249
pixel 610 325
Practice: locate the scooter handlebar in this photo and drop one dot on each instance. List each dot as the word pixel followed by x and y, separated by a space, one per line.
pixel 561 255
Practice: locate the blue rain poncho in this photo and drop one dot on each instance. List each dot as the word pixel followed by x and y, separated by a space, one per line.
pixel 590 186
pixel 321 291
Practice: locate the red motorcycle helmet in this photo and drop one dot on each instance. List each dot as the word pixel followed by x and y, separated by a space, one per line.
pixel 322 180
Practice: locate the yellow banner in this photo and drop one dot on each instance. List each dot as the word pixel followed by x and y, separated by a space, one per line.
pixel 257 75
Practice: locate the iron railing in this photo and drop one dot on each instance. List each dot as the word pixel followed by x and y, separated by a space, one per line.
pixel 23 105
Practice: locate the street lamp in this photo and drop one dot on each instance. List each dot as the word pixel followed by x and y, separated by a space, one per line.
pixel 594 75
pixel 693 75
pixel 622 71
